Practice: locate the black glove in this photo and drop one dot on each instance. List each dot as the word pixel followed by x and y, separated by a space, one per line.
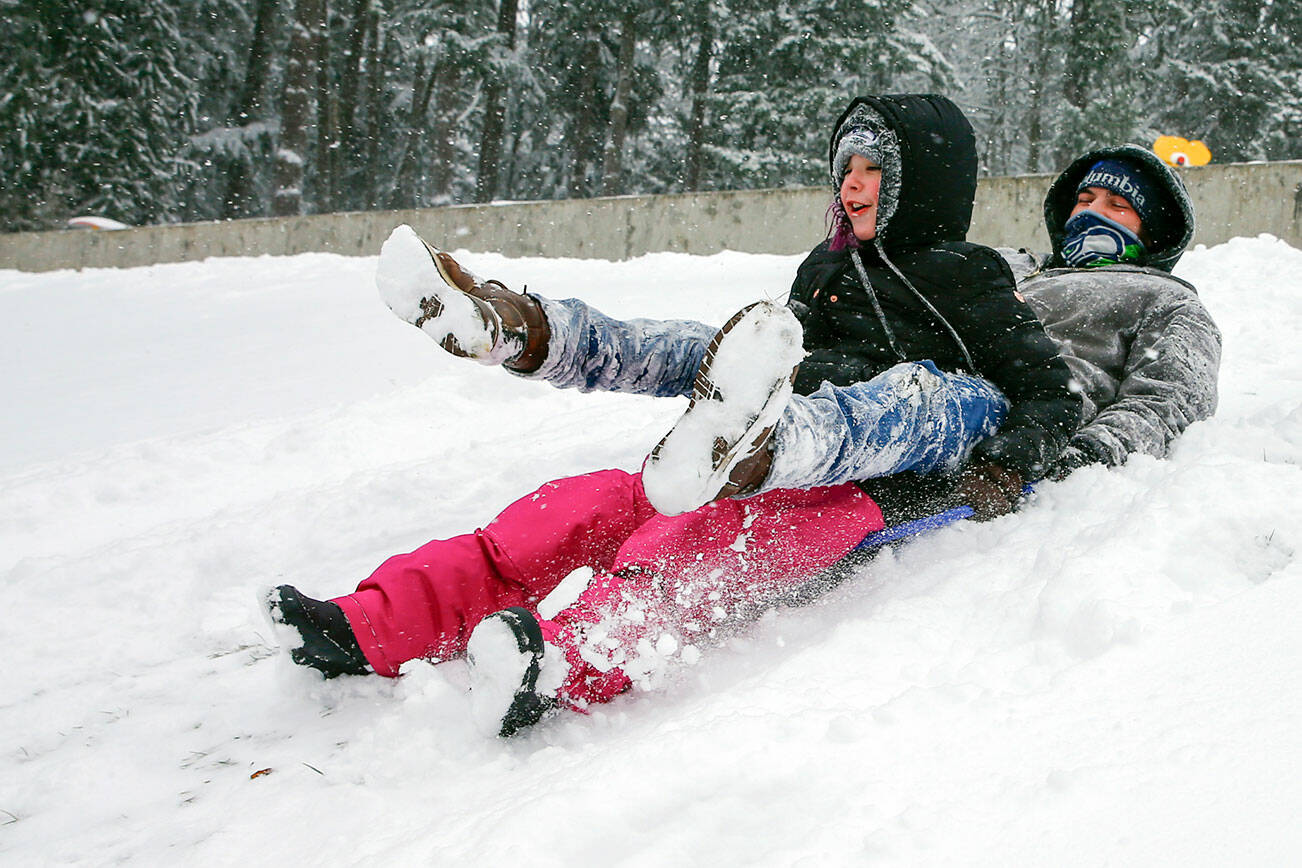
pixel 1072 458
pixel 991 490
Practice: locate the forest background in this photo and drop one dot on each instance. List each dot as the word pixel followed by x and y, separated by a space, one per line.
pixel 152 111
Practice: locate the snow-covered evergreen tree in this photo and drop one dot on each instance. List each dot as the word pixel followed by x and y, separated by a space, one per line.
pixel 437 59
pixel 1231 76
pixel 574 47
pixel 95 107
pixel 1009 68
pixel 786 70
pixel 154 110
pixel 236 66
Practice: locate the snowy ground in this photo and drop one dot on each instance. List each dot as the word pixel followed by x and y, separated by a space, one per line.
pixel 1110 677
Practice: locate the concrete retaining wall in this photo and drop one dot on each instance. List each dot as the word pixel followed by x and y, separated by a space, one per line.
pixel 1231 200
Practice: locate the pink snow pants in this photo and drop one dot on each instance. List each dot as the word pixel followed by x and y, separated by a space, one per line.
pixel 661 586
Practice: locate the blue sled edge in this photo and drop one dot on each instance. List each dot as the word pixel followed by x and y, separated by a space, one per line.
pixel 888 535
pixel 910 528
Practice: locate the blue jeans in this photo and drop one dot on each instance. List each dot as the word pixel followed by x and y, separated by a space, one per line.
pixel 590 351
pixel 911 417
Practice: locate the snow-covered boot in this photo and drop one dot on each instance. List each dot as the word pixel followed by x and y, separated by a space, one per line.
pixel 319 634
pixel 720 446
pixel 480 320
pixel 513 680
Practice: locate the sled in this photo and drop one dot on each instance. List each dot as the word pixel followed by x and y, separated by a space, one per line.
pixel 869 547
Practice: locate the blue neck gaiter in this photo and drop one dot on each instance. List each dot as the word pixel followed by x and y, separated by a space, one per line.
pixel 1092 240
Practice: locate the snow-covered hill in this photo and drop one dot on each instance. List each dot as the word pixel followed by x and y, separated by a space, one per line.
pixel 1112 676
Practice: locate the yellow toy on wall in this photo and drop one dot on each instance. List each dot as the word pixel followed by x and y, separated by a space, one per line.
pixel 1176 151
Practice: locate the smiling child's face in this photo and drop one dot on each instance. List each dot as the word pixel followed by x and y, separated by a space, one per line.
pixel 859 192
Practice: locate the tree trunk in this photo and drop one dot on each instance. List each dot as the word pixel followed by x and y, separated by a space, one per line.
pixel 296 108
pixel 700 84
pixel 350 75
pixel 490 149
pixel 328 156
pixel 1038 82
pixel 581 128
pixel 1080 60
pixel 445 86
pixel 241 188
pixel 612 161
pixel 375 95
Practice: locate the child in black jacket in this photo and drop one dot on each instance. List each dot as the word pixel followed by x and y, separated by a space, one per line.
pixel 896 285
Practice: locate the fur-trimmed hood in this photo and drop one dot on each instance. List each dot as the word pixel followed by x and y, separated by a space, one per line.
pixel 937 167
pixel 1165 250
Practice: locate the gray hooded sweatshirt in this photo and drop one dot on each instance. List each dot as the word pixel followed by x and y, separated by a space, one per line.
pixel 1138 340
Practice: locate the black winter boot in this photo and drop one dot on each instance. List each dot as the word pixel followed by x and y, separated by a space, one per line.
pixel 328 644
pixel 505 653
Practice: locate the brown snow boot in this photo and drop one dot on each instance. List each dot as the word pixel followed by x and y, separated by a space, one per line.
pixel 468 317
pixel 722 445
pixel 515 318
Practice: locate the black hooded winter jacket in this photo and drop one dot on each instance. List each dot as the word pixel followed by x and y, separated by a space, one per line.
pixel 942 298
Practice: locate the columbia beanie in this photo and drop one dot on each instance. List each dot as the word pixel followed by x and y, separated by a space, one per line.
pixel 1132 183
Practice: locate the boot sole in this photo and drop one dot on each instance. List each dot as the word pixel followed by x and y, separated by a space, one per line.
pixel 737 399
pixel 286 636
pixel 505 655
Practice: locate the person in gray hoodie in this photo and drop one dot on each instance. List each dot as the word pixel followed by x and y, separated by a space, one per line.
pixel 1140 344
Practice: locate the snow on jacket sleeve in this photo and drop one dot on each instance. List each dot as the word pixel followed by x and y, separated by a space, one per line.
pixel 826 359
pixel 1168 382
pixel 1012 351
pixel 590 351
